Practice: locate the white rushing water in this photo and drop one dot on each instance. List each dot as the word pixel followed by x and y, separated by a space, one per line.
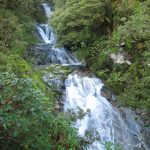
pixel 48 10
pixel 46 33
pixel 100 122
pixel 54 54
pixel 103 121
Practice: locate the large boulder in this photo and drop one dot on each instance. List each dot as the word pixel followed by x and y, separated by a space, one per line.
pixel 54 76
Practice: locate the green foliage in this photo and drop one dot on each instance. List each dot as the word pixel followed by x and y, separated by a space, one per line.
pixel 16 35
pixel 131 83
pixel 87 27
pixel 59 3
pixel 16 22
pixel 19 66
pixel 123 9
pixel 26 118
pixel 8 26
pixel 136 93
pixel 111 146
pixel 80 21
pixel 13 28
pixel 135 32
pixel 3 59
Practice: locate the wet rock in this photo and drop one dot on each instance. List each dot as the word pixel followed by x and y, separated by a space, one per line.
pixel 40 52
pixel 147 136
pixel 107 93
pixel 83 73
pixel 47 54
pixel 144 116
pixel 59 106
pixel 56 82
pixel 76 66
pixel 137 126
pixel 54 76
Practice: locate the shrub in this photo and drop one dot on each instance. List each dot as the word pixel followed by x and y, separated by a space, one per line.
pixel 135 32
pixel 26 118
pixel 80 21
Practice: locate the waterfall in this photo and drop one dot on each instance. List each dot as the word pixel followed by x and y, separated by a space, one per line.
pixel 49 53
pixel 46 33
pixel 102 120
pixel 48 10
pixel 99 122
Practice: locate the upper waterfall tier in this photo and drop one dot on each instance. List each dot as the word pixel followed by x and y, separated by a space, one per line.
pixel 48 52
pixel 48 10
pixel 46 33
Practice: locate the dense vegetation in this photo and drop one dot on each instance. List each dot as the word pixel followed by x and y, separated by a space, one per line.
pixel 27 116
pixel 96 29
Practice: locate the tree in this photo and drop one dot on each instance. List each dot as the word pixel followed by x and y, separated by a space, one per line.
pixel 82 21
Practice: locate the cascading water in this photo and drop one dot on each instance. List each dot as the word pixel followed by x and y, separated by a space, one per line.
pixel 47 9
pixel 102 121
pixel 52 54
pixel 46 33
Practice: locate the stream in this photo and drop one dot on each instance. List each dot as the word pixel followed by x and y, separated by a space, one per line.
pixel 102 123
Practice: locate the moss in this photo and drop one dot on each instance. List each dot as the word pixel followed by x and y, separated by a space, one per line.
pixel 22 68
pixel 55 69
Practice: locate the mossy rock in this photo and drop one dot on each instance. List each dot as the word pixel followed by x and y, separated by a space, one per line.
pixel 54 76
pixel 55 69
